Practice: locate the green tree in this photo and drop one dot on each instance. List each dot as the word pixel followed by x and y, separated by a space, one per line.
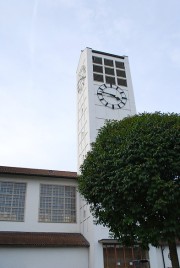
pixel 131 179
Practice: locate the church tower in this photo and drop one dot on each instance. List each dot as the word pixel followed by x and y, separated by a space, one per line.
pixel 104 91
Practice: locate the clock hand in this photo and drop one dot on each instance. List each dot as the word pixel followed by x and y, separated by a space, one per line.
pixel 111 95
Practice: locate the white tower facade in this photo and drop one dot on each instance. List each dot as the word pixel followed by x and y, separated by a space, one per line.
pixel 104 91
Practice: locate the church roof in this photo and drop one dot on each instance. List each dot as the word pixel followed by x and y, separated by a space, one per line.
pixel 37 172
pixel 45 239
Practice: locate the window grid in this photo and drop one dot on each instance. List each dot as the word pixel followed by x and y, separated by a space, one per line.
pixel 98 77
pixel 12 201
pixel 119 64
pixel 122 82
pixel 97 69
pixel 120 73
pixel 110 80
pixel 110 72
pixel 57 204
pixel 97 60
pixel 108 62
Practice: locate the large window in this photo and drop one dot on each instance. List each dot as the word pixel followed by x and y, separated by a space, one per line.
pixel 12 201
pixel 57 203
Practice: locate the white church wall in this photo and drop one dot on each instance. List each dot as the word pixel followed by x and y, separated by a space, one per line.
pixel 92 115
pixel 31 222
pixel 44 257
pixel 156 256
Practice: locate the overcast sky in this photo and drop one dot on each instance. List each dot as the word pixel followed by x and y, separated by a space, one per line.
pixel 40 45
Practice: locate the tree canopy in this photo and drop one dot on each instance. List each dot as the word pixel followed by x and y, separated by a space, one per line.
pixel 131 178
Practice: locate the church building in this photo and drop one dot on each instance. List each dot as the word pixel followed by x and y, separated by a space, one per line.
pixel 44 222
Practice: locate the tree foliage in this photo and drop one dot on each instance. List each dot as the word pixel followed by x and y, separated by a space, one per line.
pixel 131 178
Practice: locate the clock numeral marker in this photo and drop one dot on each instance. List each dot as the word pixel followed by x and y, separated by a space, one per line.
pixel 112 106
pixel 106 104
pixel 102 87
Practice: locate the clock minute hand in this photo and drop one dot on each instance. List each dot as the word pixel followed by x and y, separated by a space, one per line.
pixel 112 95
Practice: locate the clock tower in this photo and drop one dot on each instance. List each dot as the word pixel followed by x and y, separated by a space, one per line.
pixel 104 92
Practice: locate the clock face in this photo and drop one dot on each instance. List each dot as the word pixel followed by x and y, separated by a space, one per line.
pixel 81 78
pixel 112 96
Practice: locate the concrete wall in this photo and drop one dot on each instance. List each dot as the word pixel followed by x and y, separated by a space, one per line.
pixel 156 257
pixel 43 257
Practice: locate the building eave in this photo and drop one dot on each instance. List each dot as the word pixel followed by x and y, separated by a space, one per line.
pixel 37 172
pixel 42 239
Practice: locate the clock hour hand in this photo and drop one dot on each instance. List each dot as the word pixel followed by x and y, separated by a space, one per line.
pixel 111 95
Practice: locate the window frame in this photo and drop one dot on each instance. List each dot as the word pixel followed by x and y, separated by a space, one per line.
pixel 15 211
pixel 61 211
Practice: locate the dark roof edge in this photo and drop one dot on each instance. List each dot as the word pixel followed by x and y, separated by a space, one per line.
pixel 115 241
pixel 42 239
pixel 108 54
pixel 37 172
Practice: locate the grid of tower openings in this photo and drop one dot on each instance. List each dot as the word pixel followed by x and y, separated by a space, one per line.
pixel 109 71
